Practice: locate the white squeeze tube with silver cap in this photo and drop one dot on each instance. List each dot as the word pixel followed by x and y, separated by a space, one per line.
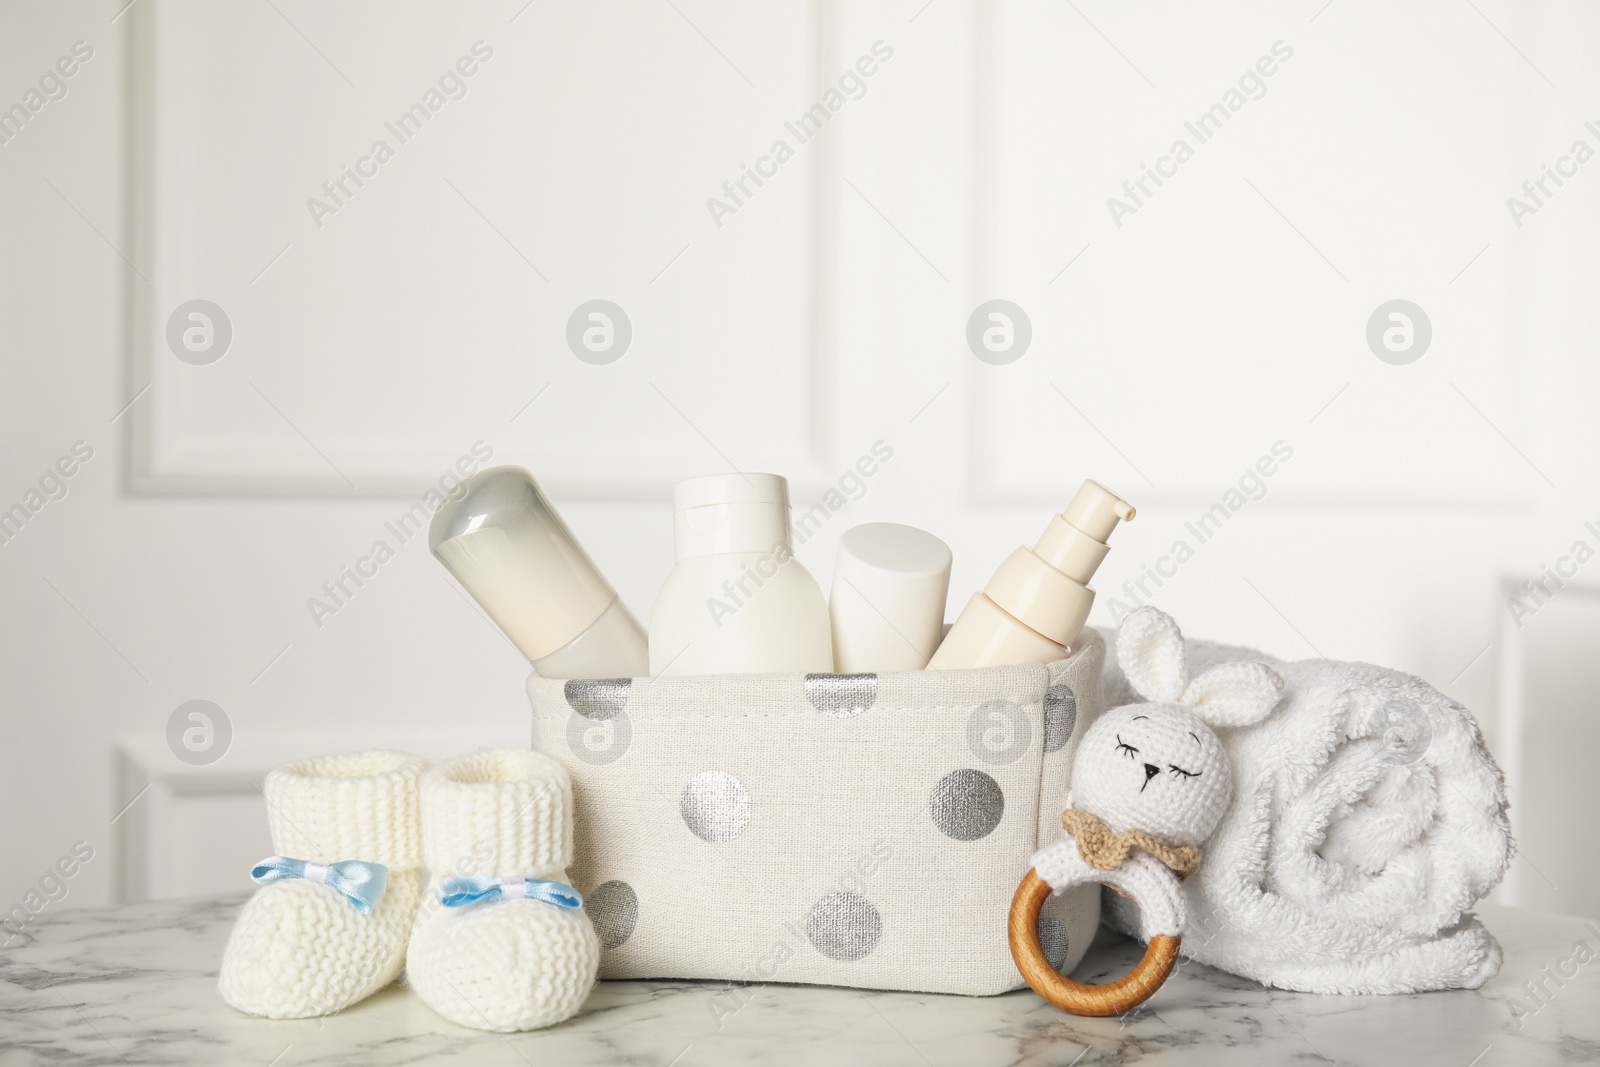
pixel 737 602
pixel 1033 608
pixel 506 545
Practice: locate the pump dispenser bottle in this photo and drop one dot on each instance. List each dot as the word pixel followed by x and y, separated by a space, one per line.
pixel 737 602
pixel 507 546
pixel 1033 608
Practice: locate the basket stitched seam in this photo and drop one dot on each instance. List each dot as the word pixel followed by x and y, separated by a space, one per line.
pixel 803 713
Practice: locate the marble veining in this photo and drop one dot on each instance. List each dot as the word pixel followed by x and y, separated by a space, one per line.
pixel 137 984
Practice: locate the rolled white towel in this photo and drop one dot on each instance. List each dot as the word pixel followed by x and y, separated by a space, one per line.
pixel 1368 819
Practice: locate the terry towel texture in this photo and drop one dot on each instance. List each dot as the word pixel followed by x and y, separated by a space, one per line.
pixel 1368 818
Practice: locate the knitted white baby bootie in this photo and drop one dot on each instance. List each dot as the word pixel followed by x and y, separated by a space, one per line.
pixel 331 927
pixel 502 942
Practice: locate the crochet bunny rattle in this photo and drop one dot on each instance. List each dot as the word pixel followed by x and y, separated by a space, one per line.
pixel 1150 782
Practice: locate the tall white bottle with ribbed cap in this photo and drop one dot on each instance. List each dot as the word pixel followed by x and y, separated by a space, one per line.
pixel 1033 608
pixel 737 602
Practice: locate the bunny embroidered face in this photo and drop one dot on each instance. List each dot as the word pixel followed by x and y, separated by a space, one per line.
pixel 1158 767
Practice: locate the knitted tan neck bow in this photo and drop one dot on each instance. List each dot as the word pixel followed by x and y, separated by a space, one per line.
pixel 1106 851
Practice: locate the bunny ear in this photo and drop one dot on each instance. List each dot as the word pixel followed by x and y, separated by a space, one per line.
pixel 1150 652
pixel 1234 694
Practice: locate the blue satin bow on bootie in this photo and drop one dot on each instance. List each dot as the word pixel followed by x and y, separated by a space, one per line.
pixel 361 882
pixel 456 892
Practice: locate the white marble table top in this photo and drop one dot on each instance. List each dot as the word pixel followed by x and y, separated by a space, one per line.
pixel 137 984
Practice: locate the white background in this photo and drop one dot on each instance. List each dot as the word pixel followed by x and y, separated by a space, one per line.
pixel 1169 353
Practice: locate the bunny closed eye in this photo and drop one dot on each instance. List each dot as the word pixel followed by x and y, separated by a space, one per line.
pixel 1175 769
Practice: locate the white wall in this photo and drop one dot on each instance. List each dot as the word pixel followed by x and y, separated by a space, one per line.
pixel 1224 316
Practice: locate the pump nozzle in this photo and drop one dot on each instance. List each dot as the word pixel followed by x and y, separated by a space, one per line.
pixel 1075 541
pixel 1096 509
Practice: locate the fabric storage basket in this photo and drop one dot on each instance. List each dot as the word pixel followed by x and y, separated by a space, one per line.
pixel 842 829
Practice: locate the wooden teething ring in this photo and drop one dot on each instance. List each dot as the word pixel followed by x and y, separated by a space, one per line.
pixel 1112 998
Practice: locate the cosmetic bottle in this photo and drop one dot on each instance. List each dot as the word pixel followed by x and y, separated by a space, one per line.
pixel 1033 608
pixel 887 601
pixel 506 545
pixel 737 602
